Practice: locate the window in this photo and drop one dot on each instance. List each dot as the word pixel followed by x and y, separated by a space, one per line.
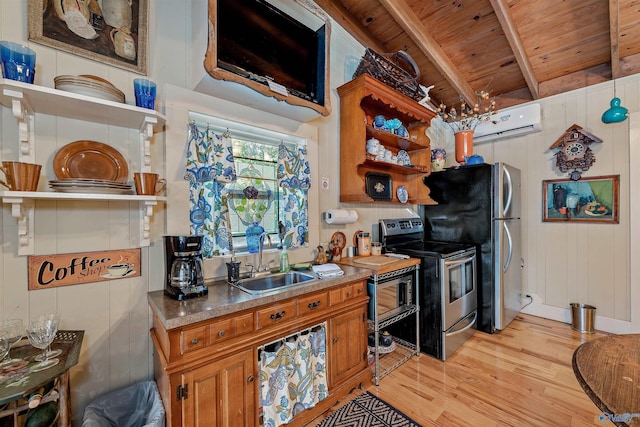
pixel 256 165
pixel 240 176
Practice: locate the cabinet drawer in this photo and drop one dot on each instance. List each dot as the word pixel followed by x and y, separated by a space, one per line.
pixel 359 289
pixel 313 303
pixel 277 313
pixel 243 324
pixel 346 292
pixel 335 296
pixel 193 339
pixel 221 331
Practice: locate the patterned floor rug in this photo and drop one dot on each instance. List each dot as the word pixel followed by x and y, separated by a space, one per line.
pixel 367 410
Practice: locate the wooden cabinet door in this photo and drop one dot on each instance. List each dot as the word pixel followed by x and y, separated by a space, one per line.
pixel 221 393
pixel 348 351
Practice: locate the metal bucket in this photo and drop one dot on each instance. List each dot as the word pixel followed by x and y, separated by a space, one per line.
pixel 583 317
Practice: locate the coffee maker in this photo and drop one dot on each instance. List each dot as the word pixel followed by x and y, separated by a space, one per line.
pixel 183 265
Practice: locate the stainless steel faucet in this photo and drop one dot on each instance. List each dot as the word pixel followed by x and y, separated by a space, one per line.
pixel 265 269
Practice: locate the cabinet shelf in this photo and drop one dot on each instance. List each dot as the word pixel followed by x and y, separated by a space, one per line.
pixel 55 102
pixel 361 100
pixel 391 167
pixel 25 100
pixel 389 139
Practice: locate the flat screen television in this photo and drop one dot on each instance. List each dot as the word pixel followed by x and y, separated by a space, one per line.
pixel 257 41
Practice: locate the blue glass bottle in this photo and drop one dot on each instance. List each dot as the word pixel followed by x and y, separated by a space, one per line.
pixel 253 237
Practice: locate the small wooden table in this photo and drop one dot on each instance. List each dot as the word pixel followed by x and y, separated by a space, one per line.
pixel 16 388
pixel 608 369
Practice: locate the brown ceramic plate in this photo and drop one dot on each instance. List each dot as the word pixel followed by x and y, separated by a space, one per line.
pixel 355 237
pixel 91 160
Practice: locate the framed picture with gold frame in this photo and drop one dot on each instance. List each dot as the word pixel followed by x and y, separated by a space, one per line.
pixel 113 32
pixel 590 200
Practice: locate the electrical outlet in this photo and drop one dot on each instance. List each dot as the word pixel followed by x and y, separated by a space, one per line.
pixel 325 183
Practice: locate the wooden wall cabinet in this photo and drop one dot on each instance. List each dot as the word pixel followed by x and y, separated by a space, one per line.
pixel 207 372
pixel 361 100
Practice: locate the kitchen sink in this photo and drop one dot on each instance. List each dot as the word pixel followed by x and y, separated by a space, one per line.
pixel 262 284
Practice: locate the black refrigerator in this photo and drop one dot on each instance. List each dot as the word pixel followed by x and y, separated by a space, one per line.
pixel 480 205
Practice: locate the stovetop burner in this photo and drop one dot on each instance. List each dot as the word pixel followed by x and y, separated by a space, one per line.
pixel 428 248
pixel 406 236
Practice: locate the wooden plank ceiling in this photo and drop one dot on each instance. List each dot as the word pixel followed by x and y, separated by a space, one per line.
pixel 519 50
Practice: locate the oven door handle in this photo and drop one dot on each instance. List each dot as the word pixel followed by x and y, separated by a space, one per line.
pixel 459 331
pixel 460 261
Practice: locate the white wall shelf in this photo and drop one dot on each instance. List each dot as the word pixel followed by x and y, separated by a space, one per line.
pixel 25 100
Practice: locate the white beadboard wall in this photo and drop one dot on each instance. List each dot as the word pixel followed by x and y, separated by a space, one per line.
pixel 563 262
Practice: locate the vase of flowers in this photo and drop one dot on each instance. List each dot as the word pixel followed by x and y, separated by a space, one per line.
pixel 464 145
pixel 464 120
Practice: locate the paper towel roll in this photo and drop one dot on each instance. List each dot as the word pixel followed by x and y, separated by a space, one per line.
pixel 340 216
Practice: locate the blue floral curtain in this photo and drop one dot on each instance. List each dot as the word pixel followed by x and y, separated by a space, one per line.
pixel 294 179
pixel 210 167
pixel 293 378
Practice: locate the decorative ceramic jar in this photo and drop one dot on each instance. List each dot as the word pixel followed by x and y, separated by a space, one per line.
pixel 438 159
pixel 372 146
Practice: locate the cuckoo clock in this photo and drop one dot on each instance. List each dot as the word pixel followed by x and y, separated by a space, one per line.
pixel 574 152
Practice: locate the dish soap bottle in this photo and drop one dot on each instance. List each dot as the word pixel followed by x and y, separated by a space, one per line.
pixel 284 260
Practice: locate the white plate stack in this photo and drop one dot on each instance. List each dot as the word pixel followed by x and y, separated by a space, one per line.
pixel 83 185
pixel 90 86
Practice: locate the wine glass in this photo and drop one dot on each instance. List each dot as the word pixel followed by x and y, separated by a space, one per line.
pixel 4 344
pixel 41 333
pixel 51 353
pixel 14 332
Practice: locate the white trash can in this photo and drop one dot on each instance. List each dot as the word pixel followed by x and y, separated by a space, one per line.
pixel 583 317
pixel 136 405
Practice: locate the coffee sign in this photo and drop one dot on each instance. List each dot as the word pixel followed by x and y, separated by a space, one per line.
pixel 52 271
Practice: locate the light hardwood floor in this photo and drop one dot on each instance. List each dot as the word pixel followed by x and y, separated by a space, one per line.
pixel 521 376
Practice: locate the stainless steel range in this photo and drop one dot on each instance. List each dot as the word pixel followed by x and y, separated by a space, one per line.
pixel 448 301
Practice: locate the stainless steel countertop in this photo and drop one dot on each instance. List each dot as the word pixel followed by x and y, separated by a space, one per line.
pixel 225 299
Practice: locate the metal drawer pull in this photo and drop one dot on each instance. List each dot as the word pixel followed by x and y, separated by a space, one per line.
pixel 467 326
pixel 195 341
pixel 221 333
pixel 277 316
pixel 313 305
pixel 335 340
pixel 250 379
pixel 348 294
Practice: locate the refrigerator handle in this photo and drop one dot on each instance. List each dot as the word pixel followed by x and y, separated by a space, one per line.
pixel 510 242
pixel 507 203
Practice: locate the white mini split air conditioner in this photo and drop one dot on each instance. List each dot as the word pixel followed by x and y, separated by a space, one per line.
pixel 509 122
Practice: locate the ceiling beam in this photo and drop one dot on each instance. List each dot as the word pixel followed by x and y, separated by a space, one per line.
pixel 511 33
pixel 579 79
pixel 349 23
pixel 614 35
pixel 407 19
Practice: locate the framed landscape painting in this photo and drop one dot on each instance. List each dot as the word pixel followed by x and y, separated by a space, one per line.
pixel 586 200
pixel 113 32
